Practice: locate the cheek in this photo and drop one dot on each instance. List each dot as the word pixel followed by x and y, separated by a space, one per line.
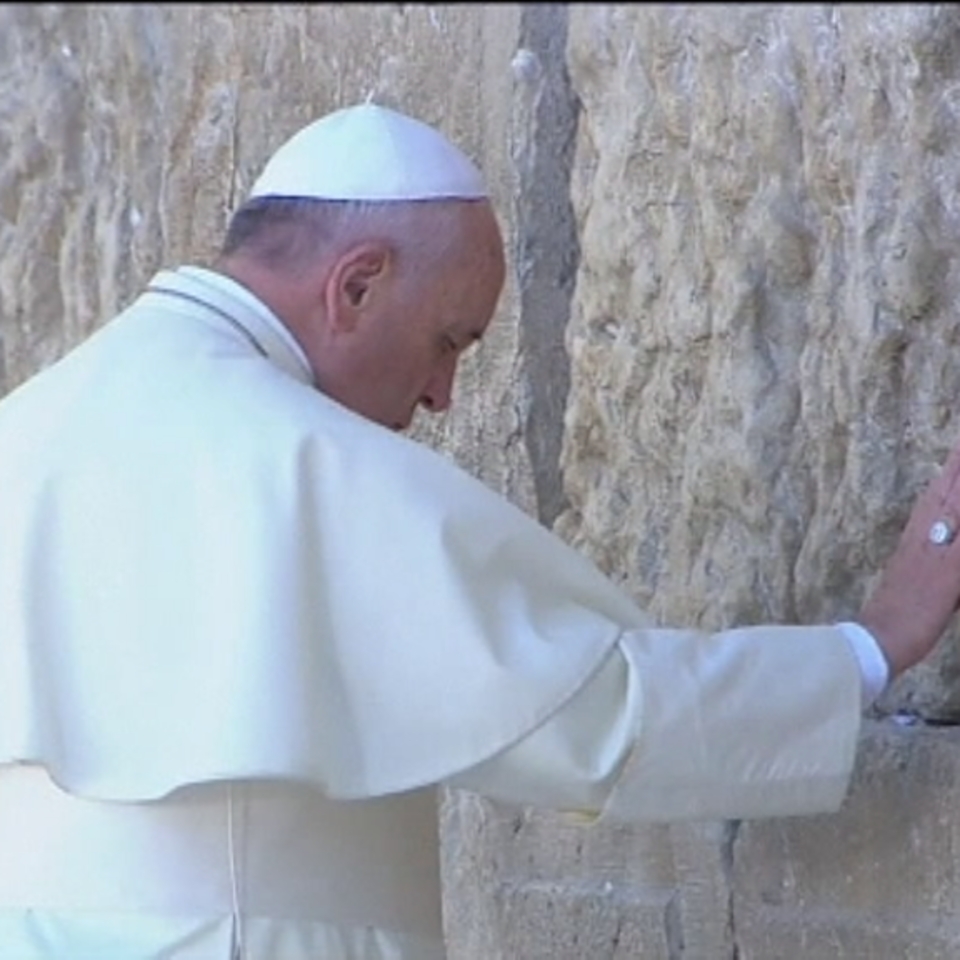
pixel 409 356
pixel 400 357
pixel 396 375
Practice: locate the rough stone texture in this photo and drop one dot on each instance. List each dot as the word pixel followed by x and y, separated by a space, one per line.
pixel 762 372
pixel 547 887
pixel 877 879
pixel 724 363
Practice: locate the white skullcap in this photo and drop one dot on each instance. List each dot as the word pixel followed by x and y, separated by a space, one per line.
pixel 369 152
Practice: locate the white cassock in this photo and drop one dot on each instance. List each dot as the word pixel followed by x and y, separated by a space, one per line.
pixel 247 633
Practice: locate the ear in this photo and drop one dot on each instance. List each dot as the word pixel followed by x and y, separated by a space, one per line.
pixel 355 282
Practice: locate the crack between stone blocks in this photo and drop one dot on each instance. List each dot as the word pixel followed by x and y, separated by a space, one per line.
pixel 234 156
pixel 544 132
pixel 731 830
pixel 673 928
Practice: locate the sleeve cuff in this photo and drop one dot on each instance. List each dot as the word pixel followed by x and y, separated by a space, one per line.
pixel 874 671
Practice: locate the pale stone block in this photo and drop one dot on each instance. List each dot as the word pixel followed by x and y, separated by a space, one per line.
pixel 878 878
pixel 762 369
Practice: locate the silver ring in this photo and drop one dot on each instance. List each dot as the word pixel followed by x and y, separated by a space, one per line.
pixel 941 533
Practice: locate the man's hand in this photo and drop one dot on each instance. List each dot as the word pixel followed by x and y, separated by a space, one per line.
pixel 919 588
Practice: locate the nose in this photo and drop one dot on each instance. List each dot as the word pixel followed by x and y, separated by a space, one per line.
pixel 438 392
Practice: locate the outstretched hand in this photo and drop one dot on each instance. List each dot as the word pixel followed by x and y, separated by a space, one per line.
pixel 919 588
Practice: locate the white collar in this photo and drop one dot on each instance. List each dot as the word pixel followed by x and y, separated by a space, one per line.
pixel 231 300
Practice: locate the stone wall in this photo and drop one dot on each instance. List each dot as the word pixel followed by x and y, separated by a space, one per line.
pixel 725 361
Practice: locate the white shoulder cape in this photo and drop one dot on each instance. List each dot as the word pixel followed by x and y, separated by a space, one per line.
pixel 209 570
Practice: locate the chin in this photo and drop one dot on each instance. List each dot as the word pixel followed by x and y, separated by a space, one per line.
pixel 385 421
pixel 404 424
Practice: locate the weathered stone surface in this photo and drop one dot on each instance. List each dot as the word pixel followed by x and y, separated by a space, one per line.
pixel 544 887
pixel 531 884
pixel 877 879
pixel 760 339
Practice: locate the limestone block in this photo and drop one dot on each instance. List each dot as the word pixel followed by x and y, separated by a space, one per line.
pixel 878 879
pixel 875 879
pixel 546 887
pixel 763 339
pixel 536 884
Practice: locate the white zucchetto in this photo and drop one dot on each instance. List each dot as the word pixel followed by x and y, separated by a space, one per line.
pixel 369 152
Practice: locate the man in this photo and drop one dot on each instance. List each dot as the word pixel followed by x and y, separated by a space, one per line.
pixel 247 627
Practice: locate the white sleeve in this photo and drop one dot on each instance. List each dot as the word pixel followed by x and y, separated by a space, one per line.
pixel 573 761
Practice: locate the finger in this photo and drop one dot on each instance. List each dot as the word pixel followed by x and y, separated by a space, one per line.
pixel 950 474
pixel 941 493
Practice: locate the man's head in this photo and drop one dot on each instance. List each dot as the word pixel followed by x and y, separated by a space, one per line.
pixel 371 236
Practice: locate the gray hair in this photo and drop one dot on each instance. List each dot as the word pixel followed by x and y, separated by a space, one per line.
pixel 288 234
